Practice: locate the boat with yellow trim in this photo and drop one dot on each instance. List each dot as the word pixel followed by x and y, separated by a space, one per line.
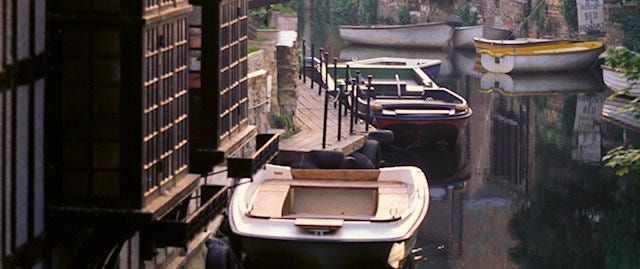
pixel 489 44
pixel 541 58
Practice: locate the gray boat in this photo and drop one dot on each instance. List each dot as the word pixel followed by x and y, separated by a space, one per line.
pixel 431 35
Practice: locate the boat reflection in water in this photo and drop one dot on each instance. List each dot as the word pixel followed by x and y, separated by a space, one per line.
pixel 447 173
pixel 541 83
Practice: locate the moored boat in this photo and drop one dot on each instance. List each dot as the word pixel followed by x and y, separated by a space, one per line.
pixel 614 81
pixel 329 218
pixel 431 67
pixel 354 52
pixel 432 34
pixel 489 44
pixel 463 36
pixel 407 102
pixel 541 58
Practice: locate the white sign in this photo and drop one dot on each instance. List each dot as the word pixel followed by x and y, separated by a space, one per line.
pixel 590 16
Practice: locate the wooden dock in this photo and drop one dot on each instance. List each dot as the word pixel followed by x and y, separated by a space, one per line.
pixel 309 117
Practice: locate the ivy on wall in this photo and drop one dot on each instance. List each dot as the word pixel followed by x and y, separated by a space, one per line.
pixel 631 26
pixel 569 10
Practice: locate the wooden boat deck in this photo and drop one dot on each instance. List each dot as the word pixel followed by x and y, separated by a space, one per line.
pixel 343 199
pixel 309 117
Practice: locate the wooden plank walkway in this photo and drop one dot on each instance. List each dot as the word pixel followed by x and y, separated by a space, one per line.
pixel 309 117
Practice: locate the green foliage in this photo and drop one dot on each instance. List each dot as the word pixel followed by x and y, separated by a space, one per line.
pixel 367 12
pixel 540 17
pixel 622 226
pixel 467 17
pixel 569 10
pixel 260 12
pixel 624 160
pixel 283 9
pixel 252 48
pixel 404 16
pixel 631 26
pixel 268 27
pixel 621 229
pixel 285 122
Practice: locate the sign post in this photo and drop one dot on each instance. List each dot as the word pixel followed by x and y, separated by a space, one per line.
pixel 590 16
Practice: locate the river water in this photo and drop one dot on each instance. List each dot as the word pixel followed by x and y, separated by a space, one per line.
pixel 526 186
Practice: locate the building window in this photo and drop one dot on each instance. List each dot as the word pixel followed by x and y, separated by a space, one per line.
pixel 233 91
pixel 165 95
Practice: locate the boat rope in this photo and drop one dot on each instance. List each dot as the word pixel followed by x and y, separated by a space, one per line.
pixel 528 16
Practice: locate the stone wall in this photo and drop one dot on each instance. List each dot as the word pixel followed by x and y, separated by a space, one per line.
pixel 268 48
pixel 255 60
pixel 502 13
pixel 288 66
pixel 284 21
pixel 259 100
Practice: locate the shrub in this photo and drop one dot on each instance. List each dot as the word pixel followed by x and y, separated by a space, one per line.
pixel 282 9
pixel 467 17
pixel 631 26
pixel 404 16
pixel 283 121
pixel 252 48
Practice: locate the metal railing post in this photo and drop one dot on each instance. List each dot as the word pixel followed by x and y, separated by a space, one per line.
pixel 339 95
pixel 304 62
pixel 357 100
pixel 353 105
pixel 321 62
pixel 326 70
pixel 347 81
pixel 313 63
pixel 366 126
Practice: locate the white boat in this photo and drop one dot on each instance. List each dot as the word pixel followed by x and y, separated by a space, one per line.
pixel 431 67
pixel 329 218
pixel 355 52
pixel 614 80
pixel 432 34
pixel 463 36
pixel 489 44
pixel 541 58
pixel 541 83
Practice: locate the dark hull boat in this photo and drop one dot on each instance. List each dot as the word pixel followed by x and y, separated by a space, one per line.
pixel 407 102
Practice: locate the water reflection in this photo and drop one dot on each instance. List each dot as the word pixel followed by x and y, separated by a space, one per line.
pixel 526 187
pixel 584 81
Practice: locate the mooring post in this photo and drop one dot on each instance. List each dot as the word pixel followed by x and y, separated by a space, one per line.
pixel 339 95
pixel 313 64
pixel 304 62
pixel 366 126
pixel 321 62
